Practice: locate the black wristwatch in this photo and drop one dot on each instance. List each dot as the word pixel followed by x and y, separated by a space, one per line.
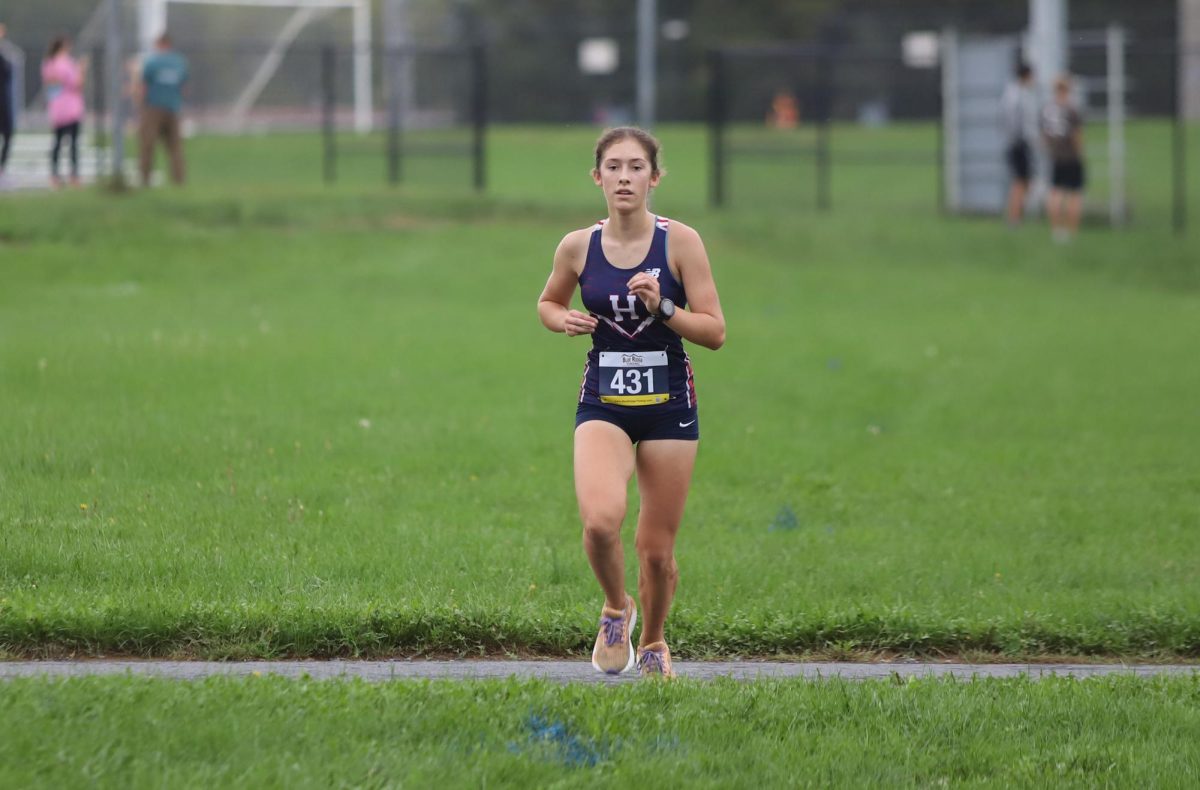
pixel 666 309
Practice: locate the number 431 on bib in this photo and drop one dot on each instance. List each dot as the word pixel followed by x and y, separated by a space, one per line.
pixel 634 378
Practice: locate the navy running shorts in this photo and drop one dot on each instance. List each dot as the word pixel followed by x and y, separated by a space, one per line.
pixel 643 424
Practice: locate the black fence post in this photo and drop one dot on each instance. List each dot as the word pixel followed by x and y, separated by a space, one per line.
pixel 100 113
pixel 99 99
pixel 716 127
pixel 1179 146
pixel 394 67
pixel 479 114
pixel 940 123
pixel 328 132
pixel 825 80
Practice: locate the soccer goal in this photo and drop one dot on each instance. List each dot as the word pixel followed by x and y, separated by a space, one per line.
pixel 234 113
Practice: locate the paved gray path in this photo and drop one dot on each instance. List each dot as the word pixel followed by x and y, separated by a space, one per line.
pixel 564 671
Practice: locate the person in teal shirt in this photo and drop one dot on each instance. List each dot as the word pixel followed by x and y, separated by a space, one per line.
pixel 164 73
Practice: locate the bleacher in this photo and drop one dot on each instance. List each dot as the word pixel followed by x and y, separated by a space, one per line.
pixel 29 162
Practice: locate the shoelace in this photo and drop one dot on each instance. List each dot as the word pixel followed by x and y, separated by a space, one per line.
pixel 652 661
pixel 614 629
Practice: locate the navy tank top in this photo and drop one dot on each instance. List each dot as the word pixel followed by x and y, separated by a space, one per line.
pixel 635 360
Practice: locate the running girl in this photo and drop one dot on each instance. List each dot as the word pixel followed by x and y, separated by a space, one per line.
pixel 637 274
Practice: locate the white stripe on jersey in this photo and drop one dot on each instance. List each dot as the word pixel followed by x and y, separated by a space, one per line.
pixel 629 335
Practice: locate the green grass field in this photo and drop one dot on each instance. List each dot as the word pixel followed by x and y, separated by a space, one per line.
pixel 259 417
pixel 271 732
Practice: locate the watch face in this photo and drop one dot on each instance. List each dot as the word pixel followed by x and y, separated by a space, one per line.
pixel 666 308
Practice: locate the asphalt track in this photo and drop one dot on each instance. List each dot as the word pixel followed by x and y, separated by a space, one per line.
pixel 568 671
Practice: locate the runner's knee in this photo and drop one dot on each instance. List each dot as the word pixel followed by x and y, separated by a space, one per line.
pixel 602 525
pixel 656 558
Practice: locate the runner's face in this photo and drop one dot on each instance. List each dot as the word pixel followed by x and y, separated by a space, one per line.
pixel 624 175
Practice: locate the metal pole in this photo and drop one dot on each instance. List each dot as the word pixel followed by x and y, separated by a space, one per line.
pixel 363 111
pixel 1187 77
pixel 1049 53
pixel 327 112
pixel 479 114
pixel 394 60
pixel 950 120
pixel 1115 55
pixel 1179 146
pixel 113 55
pixel 152 23
pixel 941 137
pixel 825 79
pixel 823 134
pixel 100 138
pixel 647 37
pixel 397 35
pixel 716 121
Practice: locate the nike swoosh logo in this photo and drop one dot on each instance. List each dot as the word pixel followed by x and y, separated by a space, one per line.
pixel 685 424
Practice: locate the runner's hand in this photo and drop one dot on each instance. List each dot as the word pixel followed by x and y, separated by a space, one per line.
pixel 645 287
pixel 578 323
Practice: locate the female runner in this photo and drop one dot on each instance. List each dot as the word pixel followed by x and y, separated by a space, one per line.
pixel 637 274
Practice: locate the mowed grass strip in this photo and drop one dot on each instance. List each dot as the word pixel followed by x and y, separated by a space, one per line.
pixel 288 422
pixel 273 732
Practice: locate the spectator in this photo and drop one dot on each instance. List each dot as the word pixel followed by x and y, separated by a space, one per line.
pixel 1062 128
pixel 785 112
pixel 63 77
pixel 6 106
pixel 163 76
pixel 1019 109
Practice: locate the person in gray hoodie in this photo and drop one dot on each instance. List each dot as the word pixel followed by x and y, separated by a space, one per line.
pixel 1019 114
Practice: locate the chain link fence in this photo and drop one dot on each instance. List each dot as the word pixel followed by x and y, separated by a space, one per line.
pixel 817 127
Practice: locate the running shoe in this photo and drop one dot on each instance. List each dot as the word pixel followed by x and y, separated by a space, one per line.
pixel 613 653
pixel 654 660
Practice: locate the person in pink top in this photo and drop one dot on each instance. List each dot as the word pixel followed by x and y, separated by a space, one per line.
pixel 63 77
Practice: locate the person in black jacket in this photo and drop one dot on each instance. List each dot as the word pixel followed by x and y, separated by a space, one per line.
pixel 6 108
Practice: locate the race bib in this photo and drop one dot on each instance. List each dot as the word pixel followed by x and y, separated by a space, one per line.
pixel 634 378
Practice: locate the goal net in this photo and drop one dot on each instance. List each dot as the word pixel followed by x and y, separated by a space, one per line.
pixel 257 65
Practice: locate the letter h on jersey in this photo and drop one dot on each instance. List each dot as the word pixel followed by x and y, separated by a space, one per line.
pixel 617 309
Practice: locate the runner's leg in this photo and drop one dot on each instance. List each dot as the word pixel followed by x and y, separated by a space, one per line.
pixel 664 472
pixel 604 462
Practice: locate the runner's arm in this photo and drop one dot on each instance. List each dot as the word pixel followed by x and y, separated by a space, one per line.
pixel 703 323
pixel 554 305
